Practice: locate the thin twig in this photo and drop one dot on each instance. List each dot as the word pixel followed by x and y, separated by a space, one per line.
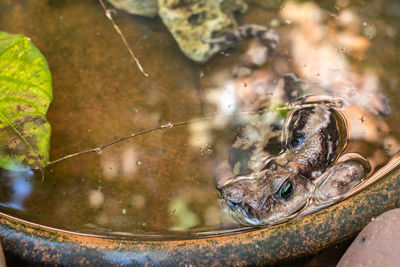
pixel 109 16
pixel 100 148
pixel 182 123
pixel 161 127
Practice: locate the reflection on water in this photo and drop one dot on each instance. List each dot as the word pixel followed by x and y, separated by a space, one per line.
pixel 119 165
pixel 162 183
pixel 185 218
pixel 17 186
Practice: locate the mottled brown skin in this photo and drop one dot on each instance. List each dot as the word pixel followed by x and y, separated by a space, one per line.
pixel 284 184
pixel 346 175
pixel 311 140
pixel 257 201
pixel 267 37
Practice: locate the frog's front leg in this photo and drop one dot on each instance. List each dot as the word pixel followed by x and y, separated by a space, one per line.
pixel 267 37
pixel 335 184
pixel 338 181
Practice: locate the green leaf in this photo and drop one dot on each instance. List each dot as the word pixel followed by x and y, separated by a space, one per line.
pixel 25 95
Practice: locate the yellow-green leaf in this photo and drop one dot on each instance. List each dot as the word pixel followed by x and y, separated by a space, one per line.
pixel 25 95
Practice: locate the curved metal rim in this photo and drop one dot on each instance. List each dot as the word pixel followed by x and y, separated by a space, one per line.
pixel 41 244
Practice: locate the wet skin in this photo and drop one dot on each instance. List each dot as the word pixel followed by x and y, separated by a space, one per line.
pixel 285 183
pixel 304 171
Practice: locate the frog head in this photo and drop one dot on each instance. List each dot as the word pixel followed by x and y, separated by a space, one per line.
pixel 266 198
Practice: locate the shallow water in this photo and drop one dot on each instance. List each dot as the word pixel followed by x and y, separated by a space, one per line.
pixel 161 184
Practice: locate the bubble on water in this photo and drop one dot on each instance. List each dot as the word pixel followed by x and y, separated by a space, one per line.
pixel 167 125
pixel 206 150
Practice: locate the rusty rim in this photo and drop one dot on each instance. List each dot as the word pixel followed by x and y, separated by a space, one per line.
pixel 41 244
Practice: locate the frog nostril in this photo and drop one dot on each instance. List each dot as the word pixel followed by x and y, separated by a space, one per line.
pixel 264 203
pixel 233 195
pixel 250 211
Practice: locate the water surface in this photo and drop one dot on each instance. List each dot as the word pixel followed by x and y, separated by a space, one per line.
pixel 159 185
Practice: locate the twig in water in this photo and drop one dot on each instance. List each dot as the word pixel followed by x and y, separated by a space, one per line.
pixel 109 16
pixel 176 124
pixel 100 148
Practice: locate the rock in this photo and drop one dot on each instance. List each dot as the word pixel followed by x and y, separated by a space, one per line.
pixel 147 8
pixel 267 4
pixel 193 23
pixel 378 244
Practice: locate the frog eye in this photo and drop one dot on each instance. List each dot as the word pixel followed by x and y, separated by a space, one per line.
pixel 286 190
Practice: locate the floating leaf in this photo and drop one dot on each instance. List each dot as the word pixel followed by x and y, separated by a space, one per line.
pixel 25 95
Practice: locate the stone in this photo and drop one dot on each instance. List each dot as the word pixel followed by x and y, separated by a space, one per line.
pixel 378 244
pixel 146 8
pixel 192 23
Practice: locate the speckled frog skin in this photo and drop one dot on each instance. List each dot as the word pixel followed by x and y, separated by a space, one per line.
pixel 285 183
pixel 306 170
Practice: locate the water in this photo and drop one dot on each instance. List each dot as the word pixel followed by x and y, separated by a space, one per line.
pixel 161 184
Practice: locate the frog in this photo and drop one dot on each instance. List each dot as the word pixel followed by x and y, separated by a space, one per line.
pixel 303 172
pixel 309 172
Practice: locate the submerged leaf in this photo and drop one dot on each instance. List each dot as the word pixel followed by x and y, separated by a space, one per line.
pixel 25 95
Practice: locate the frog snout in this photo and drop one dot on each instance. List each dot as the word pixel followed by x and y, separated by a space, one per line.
pixel 233 194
